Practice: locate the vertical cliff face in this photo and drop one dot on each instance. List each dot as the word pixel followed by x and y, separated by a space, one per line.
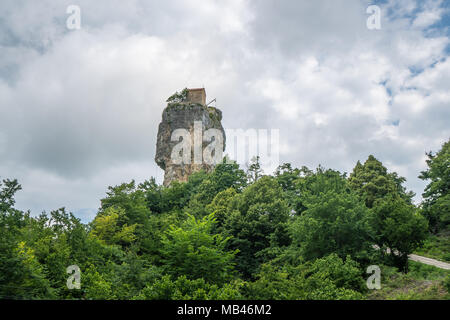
pixel 183 115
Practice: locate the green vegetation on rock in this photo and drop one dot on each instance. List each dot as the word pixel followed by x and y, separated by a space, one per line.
pixel 231 234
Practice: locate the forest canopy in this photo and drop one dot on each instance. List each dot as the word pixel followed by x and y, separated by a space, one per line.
pixel 228 234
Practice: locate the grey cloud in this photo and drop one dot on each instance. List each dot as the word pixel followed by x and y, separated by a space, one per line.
pixel 297 27
pixel 79 109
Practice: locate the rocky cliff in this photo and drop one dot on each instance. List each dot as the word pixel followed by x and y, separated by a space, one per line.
pixel 182 115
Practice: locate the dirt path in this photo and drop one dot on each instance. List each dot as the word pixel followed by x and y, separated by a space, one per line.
pixel 422 259
pixel 429 261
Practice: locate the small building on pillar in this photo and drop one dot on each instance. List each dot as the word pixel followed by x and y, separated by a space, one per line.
pixel 197 95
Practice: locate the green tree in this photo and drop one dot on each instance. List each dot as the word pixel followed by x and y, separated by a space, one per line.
pixel 436 203
pixel 128 277
pixel 135 216
pixel 399 227
pixel 57 241
pixel 395 222
pixel 254 170
pixel 153 194
pixel 334 221
pixel 227 175
pixel 220 207
pixel 372 182
pixel 183 288
pixel 131 199
pixel 95 286
pixel 224 176
pixel 290 179
pixel 33 284
pixel 257 220
pixel 105 227
pixel 178 97
pixel 21 274
pixel 327 278
pixel 194 251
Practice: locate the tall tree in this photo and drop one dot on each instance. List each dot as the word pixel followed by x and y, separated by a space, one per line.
pixel 21 274
pixel 399 228
pixel 335 220
pixel 436 204
pixel 396 224
pixel 372 181
pixel 224 176
pixel 257 221
pixel 326 278
pixel 194 251
pixel 254 171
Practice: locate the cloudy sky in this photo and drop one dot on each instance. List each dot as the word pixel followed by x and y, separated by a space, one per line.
pixel 79 109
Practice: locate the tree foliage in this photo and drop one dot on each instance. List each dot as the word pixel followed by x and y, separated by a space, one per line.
pixel 334 219
pixel 372 182
pixel 257 222
pixel 328 278
pixel 400 229
pixel 227 234
pixel 436 205
pixel 192 250
pixel 178 96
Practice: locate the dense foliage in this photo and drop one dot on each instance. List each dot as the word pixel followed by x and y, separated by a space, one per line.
pixel 436 207
pixel 229 234
pixel 178 96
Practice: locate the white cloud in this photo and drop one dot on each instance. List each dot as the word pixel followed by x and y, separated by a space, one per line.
pixel 80 109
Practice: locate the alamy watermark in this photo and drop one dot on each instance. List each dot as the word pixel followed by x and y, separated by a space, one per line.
pixel 374 281
pixel 74 281
pixel 374 20
pixel 242 146
pixel 73 22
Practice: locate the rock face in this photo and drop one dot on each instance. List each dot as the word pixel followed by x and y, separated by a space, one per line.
pixel 182 115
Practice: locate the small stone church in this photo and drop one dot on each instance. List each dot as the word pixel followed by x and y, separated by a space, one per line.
pixel 197 95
